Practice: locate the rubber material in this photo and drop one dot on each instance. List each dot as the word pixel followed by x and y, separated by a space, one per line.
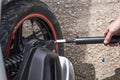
pixel 16 11
pixel 96 40
pixel 39 64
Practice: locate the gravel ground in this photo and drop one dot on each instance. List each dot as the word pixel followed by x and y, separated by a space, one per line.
pixel 88 18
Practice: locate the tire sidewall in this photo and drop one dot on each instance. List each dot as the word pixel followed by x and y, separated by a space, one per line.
pixel 43 10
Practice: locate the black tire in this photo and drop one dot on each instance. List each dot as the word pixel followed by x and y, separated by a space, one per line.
pixel 15 13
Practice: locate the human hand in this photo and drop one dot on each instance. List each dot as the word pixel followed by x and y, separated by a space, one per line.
pixel 112 30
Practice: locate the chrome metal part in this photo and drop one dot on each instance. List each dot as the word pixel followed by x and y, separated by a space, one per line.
pixel 67 69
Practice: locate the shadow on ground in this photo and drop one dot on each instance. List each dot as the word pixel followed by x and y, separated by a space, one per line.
pixel 114 77
pixel 86 72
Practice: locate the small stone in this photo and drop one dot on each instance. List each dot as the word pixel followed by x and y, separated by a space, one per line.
pixel 66 6
pixel 58 3
pixel 102 59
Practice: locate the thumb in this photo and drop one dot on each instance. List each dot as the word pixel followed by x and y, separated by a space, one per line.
pixel 106 31
pixel 108 37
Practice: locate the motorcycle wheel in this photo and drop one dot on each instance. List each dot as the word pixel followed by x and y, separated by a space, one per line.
pixel 26 20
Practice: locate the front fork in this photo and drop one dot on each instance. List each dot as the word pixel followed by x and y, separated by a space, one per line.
pixel 2 66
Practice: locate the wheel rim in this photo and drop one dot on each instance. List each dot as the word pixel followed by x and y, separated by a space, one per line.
pixel 40 26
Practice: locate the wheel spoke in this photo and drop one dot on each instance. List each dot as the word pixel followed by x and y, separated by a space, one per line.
pixel 37 29
pixel 39 35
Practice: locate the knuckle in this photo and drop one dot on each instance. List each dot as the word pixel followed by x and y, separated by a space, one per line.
pixel 111 31
pixel 107 39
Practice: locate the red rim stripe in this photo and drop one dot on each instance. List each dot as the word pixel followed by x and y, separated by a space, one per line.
pixel 20 22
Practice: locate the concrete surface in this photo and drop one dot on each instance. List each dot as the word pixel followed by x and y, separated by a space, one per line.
pixel 88 18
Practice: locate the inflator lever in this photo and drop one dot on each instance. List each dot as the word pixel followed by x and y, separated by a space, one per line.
pixel 89 40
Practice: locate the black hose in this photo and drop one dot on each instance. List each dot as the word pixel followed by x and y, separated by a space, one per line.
pixel 89 40
pixel 95 40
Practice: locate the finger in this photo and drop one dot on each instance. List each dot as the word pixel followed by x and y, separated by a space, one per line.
pixel 118 44
pixel 113 44
pixel 108 37
pixel 106 31
pixel 105 44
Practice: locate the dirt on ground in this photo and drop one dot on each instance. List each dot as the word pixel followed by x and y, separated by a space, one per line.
pixel 81 18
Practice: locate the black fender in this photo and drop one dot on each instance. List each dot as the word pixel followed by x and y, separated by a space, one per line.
pixel 39 63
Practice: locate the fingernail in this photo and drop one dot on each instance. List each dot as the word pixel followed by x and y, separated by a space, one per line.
pixel 105 42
